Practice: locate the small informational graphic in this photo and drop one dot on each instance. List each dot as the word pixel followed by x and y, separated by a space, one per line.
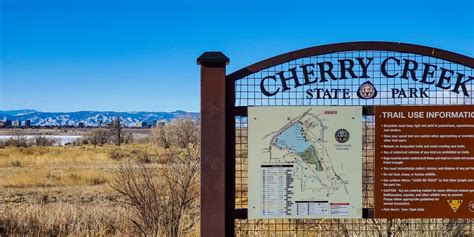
pixel 305 162
pixel 455 204
pixel 424 162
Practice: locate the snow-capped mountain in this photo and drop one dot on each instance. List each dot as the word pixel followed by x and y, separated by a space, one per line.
pixel 90 118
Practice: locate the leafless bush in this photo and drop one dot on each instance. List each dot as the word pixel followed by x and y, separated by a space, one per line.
pixel 17 141
pixel 182 178
pixel 16 163
pixel 117 134
pixel 44 141
pixel 163 201
pixel 161 136
pixel 142 190
pixel 97 137
pixel 137 155
pixel 118 154
pixel 186 132
pixel 106 136
pixel 124 138
pixel 181 132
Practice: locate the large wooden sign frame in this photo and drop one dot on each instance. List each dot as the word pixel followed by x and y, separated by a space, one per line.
pixel 225 98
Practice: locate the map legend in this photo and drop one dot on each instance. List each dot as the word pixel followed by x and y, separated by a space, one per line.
pixel 277 191
pixel 313 208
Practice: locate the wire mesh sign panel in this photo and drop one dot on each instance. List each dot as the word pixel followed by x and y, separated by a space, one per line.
pixel 285 103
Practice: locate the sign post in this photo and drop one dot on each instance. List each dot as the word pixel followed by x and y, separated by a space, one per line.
pixel 214 214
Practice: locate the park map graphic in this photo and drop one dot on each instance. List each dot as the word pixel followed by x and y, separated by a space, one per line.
pixel 305 162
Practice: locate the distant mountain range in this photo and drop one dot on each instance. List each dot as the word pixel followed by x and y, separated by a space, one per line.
pixel 91 118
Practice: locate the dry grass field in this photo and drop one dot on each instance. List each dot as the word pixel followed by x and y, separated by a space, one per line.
pixel 111 181
pixel 72 191
pixel 66 190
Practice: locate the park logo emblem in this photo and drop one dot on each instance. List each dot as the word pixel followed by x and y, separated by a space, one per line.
pixel 342 135
pixel 454 204
pixel 367 91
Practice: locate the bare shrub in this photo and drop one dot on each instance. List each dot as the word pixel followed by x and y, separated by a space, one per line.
pixel 124 138
pixel 181 132
pixel 138 155
pixel 163 201
pixel 44 141
pixel 16 163
pixel 116 133
pixel 182 179
pixel 118 154
pixel 161 136
pixel 140 186
pixel 17 141
pixel 186 132
pixel 97 137
pixel 21 140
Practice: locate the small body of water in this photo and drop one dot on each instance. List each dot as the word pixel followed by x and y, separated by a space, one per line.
pixel 60 139
pixel 292 138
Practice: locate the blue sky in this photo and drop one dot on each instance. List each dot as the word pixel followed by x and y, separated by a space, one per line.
pixel 71 55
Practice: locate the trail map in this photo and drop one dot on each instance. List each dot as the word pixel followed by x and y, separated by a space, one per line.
pixel 305 162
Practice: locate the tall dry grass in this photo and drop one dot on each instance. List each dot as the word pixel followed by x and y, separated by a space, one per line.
pixel 29 177
pixel 64 190
pixel 60 219
pixel 67 156
pixel 66 166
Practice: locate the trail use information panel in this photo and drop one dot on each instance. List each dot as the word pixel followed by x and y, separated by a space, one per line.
pixel 424 161
pixel 305 162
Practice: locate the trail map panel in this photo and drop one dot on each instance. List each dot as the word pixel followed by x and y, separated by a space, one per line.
pixel 305 162
pixel 424 162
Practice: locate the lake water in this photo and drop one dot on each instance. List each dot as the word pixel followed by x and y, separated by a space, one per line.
pixel 292 138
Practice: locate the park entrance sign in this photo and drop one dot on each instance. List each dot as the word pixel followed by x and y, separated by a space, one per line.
pixel 300 143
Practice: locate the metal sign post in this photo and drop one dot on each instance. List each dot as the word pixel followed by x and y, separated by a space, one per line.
pixel 216 218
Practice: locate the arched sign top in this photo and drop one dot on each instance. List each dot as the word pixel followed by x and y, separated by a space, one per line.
pixel 354 46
